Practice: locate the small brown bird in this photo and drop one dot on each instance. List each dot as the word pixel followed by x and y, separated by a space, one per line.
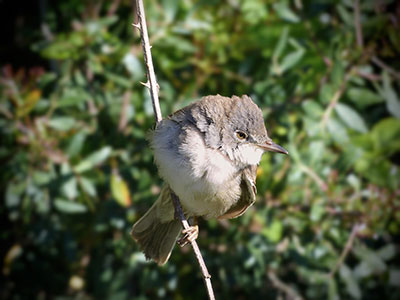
pixel 207 153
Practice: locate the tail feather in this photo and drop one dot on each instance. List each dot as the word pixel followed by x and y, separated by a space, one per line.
pixel 156 237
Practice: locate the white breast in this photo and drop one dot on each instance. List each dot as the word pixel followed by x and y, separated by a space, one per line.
pixel 205 180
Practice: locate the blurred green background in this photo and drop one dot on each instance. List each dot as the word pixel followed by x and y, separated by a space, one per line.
pixel 77 171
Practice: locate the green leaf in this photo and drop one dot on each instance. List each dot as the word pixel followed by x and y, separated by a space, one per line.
pixel 62 123
pixel 337 131
pixel 386 136
pixel 363 97
pixel 371 258
pixel 317 212
pixel 333 293
pixel 69 207
pixel 387 252
pixel 347 18
pixel 120 190
pixel 312 109
pixel 337 74
pixel 363 270
pixel 280 46
pixel 76 143
pixel 283 11
pixel 170 8
pixel 350 281
pixel 70 189
pixel 291 60
pixel 351 118
pixel 392 99
pixel 93 160
pixel 326 93
pixel 73 97
pixel 118 79
pixel 88 186
pixel 29 103
pixel 274 231
pixel 133 65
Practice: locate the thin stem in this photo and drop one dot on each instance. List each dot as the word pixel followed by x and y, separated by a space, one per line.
pixel 151 76
pixel 357 24
pixel 349 245
pixel 334 100
pixel 280 285
pixel 206 276
pixel 153 86
pixel 384 66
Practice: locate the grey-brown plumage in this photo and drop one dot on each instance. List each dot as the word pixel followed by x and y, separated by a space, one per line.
pixel 207 153
pixel 156 236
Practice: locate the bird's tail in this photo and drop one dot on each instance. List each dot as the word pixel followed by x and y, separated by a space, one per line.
pixel 155 235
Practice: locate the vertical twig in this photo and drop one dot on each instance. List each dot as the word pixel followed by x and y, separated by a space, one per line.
pixel 206 276
pixel 153 86
pixel 151 76
pixel 357 24
pixel 335 99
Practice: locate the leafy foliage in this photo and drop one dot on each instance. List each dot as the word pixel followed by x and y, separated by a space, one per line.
pixel 77 172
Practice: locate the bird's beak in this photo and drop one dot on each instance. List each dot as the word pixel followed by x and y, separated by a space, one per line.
pixel 269 145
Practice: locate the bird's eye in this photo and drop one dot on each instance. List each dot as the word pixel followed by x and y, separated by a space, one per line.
pixel 241 135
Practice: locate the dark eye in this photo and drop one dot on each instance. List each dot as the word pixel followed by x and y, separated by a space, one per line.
pixel 241 135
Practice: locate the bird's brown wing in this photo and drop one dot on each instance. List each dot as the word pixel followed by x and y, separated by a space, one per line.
pixel 248 196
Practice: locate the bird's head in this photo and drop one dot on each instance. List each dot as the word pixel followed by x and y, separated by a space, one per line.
pixel 244 135
pixel 236 127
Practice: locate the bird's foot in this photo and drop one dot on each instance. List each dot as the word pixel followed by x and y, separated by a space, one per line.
pixel 189 235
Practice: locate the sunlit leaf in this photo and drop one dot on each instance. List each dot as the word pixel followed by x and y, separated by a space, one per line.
pixel 283 10
pixel 291 60
pixel 134 66
pixel 351 118
pixel 317 212
pixel 280 46
pixel 88 186
pixel 273 231
pixel 70 188
pixel 69 207
pixel 62 123
pixel 391 97
pixel 120 190
pixel 76 143
pixel 362 97
pixel 313 109
pixel 29 103
pixel 386 135
pixel 337 131
pixel 350 281
pixel 93 160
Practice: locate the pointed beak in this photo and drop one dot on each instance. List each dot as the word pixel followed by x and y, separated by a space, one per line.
pixel 269 145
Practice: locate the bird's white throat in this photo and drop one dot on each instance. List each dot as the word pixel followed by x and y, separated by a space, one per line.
pixel 245 154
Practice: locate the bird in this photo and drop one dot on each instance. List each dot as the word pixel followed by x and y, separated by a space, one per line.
pixel 207 153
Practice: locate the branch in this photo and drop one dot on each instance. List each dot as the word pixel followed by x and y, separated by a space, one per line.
pixel 153 86
pixel 280 285
pixel 357 24
pixel 206 276
pixel 334 100
pixel 349 244
pixel 384 66
pixel 310 172
pixel 151 76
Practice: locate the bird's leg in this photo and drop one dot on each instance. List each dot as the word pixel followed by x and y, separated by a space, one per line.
pixel 190 234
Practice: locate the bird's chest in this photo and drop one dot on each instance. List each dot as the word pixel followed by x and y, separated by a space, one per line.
pixel 206 181
pixel 214 184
